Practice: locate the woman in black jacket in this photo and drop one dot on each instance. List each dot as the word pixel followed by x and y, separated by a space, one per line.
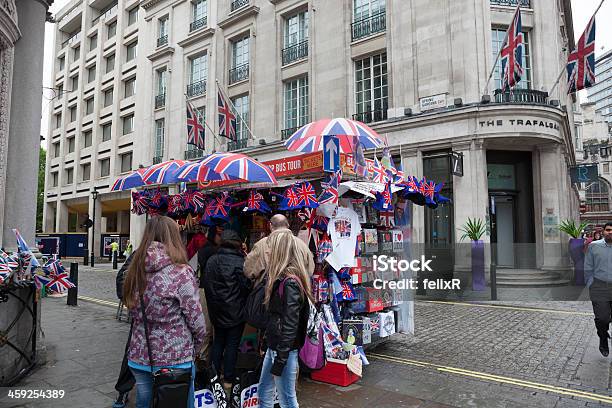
pixel 287 294
pixel 226 290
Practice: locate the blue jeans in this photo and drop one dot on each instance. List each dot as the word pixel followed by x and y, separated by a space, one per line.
pixel 285 384
pixel 144 386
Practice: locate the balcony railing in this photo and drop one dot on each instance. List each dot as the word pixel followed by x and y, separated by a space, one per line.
pixel 511 3
pixel 163 40
pixel 295 52
pixel 196 88
pixel 372 116
pixel 73 38
pixel 160 101
pixel 236 4
pixel 106 12
pixel 158 159
pixel 521 96
pixel 376 23
pixel 286 133
pixel 197 24
pixel 239 73
pixel 237 144
pixel 194 154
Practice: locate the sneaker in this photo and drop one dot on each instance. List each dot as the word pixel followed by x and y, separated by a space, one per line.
pixel 122 401
pixel 603 346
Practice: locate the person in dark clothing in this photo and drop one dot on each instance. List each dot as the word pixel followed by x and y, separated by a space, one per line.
pixel 226 290
pixel 126 380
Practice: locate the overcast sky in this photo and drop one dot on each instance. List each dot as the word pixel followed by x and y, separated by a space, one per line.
pixel 581 9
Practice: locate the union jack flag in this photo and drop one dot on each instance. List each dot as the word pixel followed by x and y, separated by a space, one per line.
pixel 387 162
pixel 307 195
pixel 387 219
pixel 428 189
pixel 291 199
pixel 399 173
pixel 347 291
pixel 383 200
pixel 222 205
pixel 195 129
pixel 256 202
pixel 375 324
pixel 343 227
pixel 581 62
pixel 59 283
pixel 197 201
pixel 379 174
pixel 413 184
pixel 42 280
pixel 140 202
pixel 512 52
pixel 331 195
pixel 53 267
pixel 23 247
pixel 227 120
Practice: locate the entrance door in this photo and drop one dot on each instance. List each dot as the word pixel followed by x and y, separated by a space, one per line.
pixel 504 231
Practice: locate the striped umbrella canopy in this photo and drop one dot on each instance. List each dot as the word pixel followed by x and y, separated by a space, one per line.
pixel 309 138
pixel 239 166
pixel 129 181
pixel 162 173
pixel 193 171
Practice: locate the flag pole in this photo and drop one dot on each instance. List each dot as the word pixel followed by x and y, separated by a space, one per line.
pixel 235 110
pixel 486 89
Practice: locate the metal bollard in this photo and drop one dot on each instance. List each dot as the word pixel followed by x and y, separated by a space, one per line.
pixel 115 260
pixel 85 258
pixel 493 271
pixel 74 278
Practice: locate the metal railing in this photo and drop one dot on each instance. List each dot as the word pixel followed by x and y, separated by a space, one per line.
pixel 196 88
pixel 158 159
pixel 236 144
pixel 163 40
pixel 106 12
pixel 194 154
pixel 295 52
pixel 239 73
pixel 197 24
pixel 521 96
pixel 160 101
pixel 236 4
pixel 376 23
pixel 73 38
pixel 512 3
pixel 372 116
pixel 286 133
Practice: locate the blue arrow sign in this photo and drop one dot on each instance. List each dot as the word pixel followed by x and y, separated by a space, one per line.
pixel 331 153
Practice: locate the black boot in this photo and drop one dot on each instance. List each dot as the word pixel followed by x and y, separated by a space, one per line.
pixel 603 344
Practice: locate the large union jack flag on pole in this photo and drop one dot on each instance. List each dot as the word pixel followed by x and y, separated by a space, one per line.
pixel 512 52
pixel 227 119
pixel 195 129
pixel 581 62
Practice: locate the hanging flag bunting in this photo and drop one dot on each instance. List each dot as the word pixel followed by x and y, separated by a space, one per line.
pixel 581 62
pixel 512 52
pixel 307 197
pixel 222 205
pixel 195 129
pixel 379 175
pixel 227 119
pixel 256 202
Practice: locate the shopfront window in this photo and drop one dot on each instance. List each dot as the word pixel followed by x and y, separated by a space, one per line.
pixel 439 223
pixel 598 196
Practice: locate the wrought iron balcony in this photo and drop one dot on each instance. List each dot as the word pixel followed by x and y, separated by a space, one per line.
pixel 196 88
pixel 528 96
pixel 163 40
pixel 236 4
pixel 372 116
pixel 286 133
pixel 158 159
pixel 376 23
pixel 295 52
pixel 197 24
pixel 194 154
pixel 237 144
pixel 239 73
pixel 511 3
pixel 160 101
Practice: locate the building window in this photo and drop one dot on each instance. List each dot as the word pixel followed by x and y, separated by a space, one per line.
pixel 104 167
pixel 371 88
pixel 240 60
pixel 110 63
pixel 54 179
pixel 87 138
pixel 296 104
pixel 439 222
pixel 93 42
pixel 61 63
pixel 70 144
pixel 69 176
pixel 242 116
pixel 56 149
pixel 497 39
pixel 111 30
pixel 369 18
pixel 161 80
pixel 606 168
pixel 108 97
pixel 363 9
pixel 89 106
pixel 126 162
pixel 73 114
pixel 130 87
pixel 58 120
pixel 597 197
pixel 85 171
pixel 131 51
pixel 162 37
pixel 198 67
pixel 132 15
pixel 159 138
pixel 106 132
pixel 76 53
pixel 199 15
pixel 296 38
pixel 60 91
pixel 75 83
pixel 128 124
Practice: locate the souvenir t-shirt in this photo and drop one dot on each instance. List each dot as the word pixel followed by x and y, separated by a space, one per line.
pixel 343 229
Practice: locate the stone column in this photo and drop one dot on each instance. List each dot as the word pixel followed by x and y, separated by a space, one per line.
pixel 24 129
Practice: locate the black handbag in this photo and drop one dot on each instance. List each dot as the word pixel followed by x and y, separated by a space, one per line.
pixel 171 386
pixel 255 309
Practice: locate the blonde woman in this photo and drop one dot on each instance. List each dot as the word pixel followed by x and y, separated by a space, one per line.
pixel 286 297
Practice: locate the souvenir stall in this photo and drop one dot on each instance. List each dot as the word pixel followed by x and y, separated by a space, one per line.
pixel 347 217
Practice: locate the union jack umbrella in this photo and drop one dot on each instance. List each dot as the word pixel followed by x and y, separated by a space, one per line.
pixel 512 52
pixel 256 202
pixel 162 173
pixel 197 171
pixel 59 283
pixel 309 138
pixel 379 174
pixel 387 219
pixel 129 181
pixel 581 62
pixel 307 197
pixel 240 166
pixel 195 129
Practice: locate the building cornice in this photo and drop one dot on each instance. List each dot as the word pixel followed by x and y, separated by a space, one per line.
pixel 9 29
pixel 166 50
pixel 239 15
pixel 197 36
pixel 147 4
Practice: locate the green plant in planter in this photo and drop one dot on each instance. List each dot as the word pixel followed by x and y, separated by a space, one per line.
pixel 474 229
pixel 571 229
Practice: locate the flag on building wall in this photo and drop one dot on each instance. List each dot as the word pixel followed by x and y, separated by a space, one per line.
pixel 227 119
pixel 581 62
pixel 512 52
pixel 195 128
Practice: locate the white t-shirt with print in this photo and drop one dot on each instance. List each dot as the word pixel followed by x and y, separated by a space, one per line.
pixel 343 230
